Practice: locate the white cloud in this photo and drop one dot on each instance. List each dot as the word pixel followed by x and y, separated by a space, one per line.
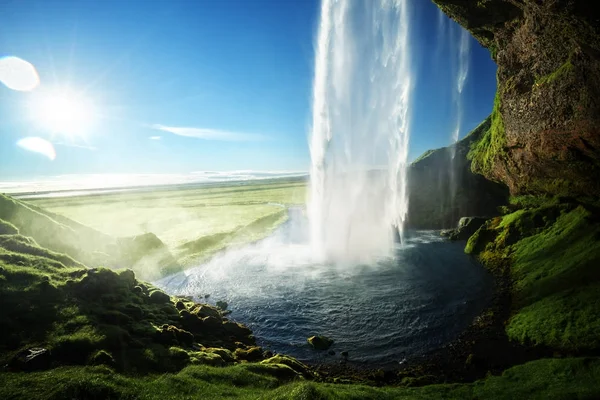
pixel 154 137
pixel 79 146
pixel 210 134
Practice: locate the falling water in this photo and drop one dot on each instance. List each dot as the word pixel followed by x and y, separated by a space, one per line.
pixel 360 129
pixel 461 77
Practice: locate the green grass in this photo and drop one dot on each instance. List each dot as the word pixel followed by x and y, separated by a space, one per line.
pixel 571 378
pixel 490 147
pixel 193 223
pixel 567 320
pixel 554 256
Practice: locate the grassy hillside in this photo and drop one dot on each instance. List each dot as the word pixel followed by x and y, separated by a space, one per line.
pixel 551 250
pixel 145 254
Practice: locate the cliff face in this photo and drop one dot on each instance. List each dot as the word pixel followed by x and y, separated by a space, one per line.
pixel 545 131
pixel 442 189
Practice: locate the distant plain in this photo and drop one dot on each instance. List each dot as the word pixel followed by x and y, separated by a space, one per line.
pixel 193 221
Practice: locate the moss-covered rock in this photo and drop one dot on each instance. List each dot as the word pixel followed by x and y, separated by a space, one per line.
pixel 253 353
pixel 291 362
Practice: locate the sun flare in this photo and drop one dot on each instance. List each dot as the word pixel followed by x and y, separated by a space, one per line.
pixel 63 112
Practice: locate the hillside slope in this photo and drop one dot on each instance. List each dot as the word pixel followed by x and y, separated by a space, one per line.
pixel 145 254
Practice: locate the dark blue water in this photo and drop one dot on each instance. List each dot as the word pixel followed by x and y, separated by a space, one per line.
pixel 382 313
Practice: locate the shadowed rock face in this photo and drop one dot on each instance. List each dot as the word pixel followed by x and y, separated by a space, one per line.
pixel 442 190
pixel 546 136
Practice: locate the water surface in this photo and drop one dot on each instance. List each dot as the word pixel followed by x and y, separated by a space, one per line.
pixel 382 313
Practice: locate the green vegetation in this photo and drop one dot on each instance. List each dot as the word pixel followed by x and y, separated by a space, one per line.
pixel 485 151
pixel 543 379
pixel 192 222
pixel 551 247
pixel 559 73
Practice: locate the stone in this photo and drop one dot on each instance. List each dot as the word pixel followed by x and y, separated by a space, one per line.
pixel 467 226
pixel 158 297
pixel 222 305
pixel 320 342
pixel 32 359
pixel 253 353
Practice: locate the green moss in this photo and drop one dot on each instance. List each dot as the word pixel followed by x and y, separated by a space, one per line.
pixel 559 73
pixel 567 320
pixel 490 147
pixel 553 253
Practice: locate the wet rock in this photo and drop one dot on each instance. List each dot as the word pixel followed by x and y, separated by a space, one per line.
pixel 212 323
pixel 158 297
pixel 222 305
pixel 180 306
pixel 331 353
pixel 467 226
pixel 253 353
pixel 225 354
pixel 33 359
pixel 320 342
pixel 237 330
pixel 203 310
pixel 344 354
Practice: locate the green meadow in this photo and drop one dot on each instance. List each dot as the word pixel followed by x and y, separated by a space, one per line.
pixel 193 222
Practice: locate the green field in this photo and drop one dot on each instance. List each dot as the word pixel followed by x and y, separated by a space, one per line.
pixel 193 222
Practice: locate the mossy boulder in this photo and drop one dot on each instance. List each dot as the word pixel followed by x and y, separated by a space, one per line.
pixel 159 297
pixel 320 342
pixel 253 353
pixel 291 362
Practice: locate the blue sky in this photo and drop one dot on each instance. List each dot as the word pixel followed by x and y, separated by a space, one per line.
pixel 240 70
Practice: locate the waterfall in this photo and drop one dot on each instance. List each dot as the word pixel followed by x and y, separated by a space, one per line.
pixel 360 129
pixel 463 54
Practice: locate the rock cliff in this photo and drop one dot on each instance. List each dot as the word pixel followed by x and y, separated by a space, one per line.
pixel 442 188
pixel 545 131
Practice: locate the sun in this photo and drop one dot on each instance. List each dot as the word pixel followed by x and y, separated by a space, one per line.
pixel 63 112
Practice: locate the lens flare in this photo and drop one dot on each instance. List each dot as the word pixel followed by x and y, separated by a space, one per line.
pixel 18 74
pixel 38 145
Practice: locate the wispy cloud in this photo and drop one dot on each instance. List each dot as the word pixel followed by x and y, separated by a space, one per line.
pixel 154 137
pixel 79 146
pixel 210 134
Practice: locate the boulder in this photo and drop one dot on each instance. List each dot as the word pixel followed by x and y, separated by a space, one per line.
pixel 158 297
pixel 320 342
pixel 253 353
pixel 290 362
pixel 467 226
pixel 33 359
pixel 222 305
